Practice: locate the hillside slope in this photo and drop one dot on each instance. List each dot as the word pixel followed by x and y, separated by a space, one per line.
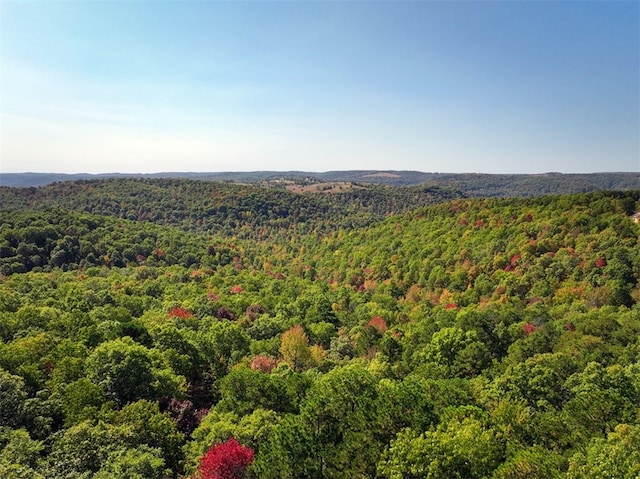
pixel 224 208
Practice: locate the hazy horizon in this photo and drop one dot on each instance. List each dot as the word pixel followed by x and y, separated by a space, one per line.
pixel 218 86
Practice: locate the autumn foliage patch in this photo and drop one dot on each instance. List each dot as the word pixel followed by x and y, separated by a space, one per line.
pixel 180 312
pixel 263 363
pixel 378 323
pixel 227 460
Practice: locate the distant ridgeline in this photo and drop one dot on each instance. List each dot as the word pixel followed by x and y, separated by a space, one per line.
pixel 471 184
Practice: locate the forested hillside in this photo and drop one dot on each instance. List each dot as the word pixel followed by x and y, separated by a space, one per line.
pixel 484 185
pixel 245 211
pixel 172 329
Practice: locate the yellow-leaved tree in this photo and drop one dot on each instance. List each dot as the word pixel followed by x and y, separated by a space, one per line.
pixel 294 348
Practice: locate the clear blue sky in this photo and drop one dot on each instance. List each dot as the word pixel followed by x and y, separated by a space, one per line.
pixel 148 86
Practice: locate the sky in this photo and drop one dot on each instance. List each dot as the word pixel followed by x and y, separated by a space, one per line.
pixel 144 86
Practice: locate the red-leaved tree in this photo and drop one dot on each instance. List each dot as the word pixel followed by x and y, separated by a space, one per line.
pixel 227 460
pixel 378 323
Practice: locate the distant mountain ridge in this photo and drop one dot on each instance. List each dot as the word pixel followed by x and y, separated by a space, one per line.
pixel 472 184
pixel 398 178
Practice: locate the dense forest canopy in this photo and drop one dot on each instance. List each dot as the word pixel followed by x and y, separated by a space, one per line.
pixel 174 328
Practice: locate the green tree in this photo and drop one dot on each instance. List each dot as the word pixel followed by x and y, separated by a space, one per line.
pixel 12 398
pixel 19 454
pixel 539 380
pixel 140 462
pixel 339 411
pixel 531 463
pixel 459 448
pixel 459 353
pixel 616 456
pixel 602 398
pixel 142 424
pixel 224 344
pixel 403 404
pixel 81 450
pixel 244 390
pixel 125 371
pixel 289 452
pixel 81 400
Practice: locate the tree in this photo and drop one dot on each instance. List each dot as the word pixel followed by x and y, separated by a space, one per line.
pixel 458 352
pixel 288 452
pixel 339 412
pixel 402 404
pixel 12 398
pixel 460 448
pixel 142 424
pixel 244 390
pixel 294 347
pixel 123 369
pixel 332 437
pixel 81 400
pixel 616 456
pixel 223 345
pixel 531 463
pixel 126 372
pixel 81 449
pixel 140 462
pixel 19 453
pixel 227 460
pixel 603 397
pixel 538 380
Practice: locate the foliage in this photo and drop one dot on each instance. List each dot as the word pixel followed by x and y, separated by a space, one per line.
pixel 228 460
pixel 616 456
pixel 461 448
pixel 472 338
pixel 294 348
